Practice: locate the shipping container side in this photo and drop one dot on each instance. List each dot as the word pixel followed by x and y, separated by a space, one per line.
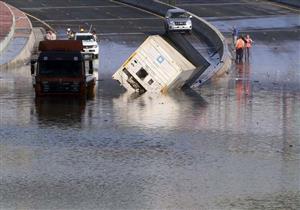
pixel 180 81
pixel 156 70
pixel 179 59
pixel 155 66
pixel 151 82
pixel 164 67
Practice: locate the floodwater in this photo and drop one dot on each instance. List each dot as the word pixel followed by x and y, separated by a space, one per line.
pixel 233 144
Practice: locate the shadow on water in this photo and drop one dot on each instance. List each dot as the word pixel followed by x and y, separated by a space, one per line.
pixel 175 110
pixel 243 86
pixel 60 110
pixel 225 142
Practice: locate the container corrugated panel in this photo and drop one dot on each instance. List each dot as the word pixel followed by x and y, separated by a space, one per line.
pixel 155 66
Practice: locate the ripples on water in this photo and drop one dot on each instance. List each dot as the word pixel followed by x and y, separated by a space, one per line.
pixel 236 137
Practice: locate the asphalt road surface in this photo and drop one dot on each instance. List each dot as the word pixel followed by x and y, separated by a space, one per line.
pixel 105 16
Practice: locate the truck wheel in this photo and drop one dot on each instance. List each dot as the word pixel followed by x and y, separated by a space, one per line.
pixel 96 56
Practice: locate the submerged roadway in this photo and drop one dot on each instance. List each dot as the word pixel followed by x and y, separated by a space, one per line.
pixel 232 144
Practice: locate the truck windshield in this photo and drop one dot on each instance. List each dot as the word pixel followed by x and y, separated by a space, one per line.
pixel 179 15
pixel 60 68
pixel 87 37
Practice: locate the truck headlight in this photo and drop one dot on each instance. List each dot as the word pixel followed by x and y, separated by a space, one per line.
pixel 189 22
pixel 172 22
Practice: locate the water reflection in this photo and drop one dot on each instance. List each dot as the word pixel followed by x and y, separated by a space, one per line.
pixel 58 111
pixel 177 109
pixel 120 151
pixel 114 51
pixel 243 81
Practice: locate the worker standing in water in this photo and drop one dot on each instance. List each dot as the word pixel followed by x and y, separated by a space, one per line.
pixel 239 48
pixel 249 42
pixel 235 34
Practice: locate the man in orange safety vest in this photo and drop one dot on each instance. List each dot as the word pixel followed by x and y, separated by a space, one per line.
pixel 239 48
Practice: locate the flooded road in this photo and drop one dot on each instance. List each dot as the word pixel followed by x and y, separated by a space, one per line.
pixel 233 144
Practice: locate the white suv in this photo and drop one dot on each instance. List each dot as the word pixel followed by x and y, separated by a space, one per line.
pixel 178 20
pixel 90 45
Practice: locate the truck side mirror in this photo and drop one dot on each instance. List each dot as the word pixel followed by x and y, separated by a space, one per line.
pixel 91 67
pixel 32 69
pixel 191 16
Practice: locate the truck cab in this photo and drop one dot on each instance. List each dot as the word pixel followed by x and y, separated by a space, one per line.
pixel 61 69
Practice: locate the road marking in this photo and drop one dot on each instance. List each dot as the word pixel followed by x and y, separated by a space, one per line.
pixel 225 18
pixel 39 20
pixel 69 7
pixel 217 4
pixel 271 30
pixel 116 34
pixel 101 19
pixel 282 6
pixel 295 30
pixel 137 8
pixel 247 2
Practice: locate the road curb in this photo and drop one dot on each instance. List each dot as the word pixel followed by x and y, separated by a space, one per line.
pixel 6 40
pixel 24 55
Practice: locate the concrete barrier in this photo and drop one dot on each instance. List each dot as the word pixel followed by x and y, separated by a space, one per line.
pixel 189 52
pixel 24 54
pixel 202 28
pixel 293 3
pixel 9 36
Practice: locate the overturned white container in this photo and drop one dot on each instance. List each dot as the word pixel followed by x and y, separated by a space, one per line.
pixel 155 67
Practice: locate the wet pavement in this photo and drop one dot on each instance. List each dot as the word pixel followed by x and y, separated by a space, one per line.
pixel 233 144
pixel 107 17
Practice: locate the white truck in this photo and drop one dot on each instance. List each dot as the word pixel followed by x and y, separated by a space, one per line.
pixel 155 67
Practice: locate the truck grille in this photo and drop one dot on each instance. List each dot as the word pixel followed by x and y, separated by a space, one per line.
pixel 60 87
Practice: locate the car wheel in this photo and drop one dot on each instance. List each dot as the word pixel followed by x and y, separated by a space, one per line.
pixel 166 28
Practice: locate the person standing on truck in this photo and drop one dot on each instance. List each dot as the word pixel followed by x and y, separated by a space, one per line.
pixel 249 42
pixel 72 35
pixel 48 35
pixel 69 33
pixel 53 35
pixel 239 48
pixel 94 35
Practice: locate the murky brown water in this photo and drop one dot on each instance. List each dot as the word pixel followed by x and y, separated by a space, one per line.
pixel 233 144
